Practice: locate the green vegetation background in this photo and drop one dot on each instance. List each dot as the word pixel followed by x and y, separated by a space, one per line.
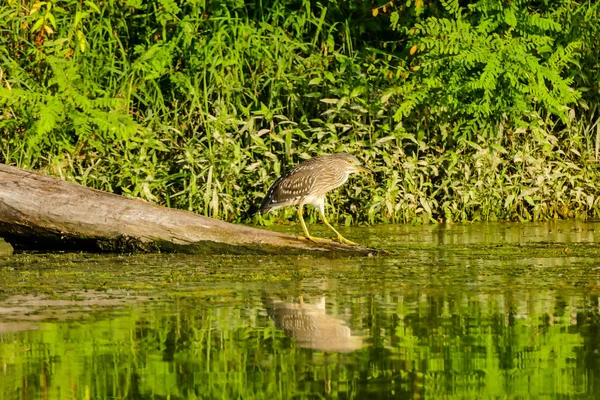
pixel 478 111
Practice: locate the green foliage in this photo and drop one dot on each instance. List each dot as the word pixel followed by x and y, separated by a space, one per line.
pixel 61 106
pixel 493 63
pixel 200 105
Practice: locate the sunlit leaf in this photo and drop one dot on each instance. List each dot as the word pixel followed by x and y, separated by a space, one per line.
pixel 81 41
pixel 36 6
pixel 50 18
pixel 37 25
pixel 93 6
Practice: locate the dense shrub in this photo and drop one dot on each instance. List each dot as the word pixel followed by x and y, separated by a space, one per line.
pixel 468 112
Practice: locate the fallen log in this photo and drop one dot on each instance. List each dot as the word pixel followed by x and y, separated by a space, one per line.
pixel 42 212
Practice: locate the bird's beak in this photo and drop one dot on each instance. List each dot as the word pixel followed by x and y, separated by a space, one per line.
pixel 363 169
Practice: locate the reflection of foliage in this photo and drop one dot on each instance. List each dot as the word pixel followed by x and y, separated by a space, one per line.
pixel 452 345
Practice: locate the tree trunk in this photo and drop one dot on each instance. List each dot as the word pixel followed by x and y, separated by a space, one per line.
pixel 41 212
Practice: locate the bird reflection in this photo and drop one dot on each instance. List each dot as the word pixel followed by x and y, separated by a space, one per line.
pixel 310 326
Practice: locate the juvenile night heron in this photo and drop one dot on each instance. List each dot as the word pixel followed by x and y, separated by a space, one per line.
pixel 308 183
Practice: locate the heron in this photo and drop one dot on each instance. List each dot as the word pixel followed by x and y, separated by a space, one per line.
pixel 308 183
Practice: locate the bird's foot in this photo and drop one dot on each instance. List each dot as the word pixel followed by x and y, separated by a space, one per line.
pixel 346 241
pixel 316 239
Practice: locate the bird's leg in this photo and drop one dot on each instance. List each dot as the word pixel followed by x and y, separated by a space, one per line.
pixel 339 235
pixel 306 234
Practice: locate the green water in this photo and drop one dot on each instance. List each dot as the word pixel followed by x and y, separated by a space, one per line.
pixel 460 312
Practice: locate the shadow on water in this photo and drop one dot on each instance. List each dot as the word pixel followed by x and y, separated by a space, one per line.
pixel 464 311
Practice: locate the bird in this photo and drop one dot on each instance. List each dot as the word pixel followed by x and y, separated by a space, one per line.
pixel 308 184
pixel 311 326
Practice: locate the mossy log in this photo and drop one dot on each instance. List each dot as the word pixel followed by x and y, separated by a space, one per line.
pixel 42 212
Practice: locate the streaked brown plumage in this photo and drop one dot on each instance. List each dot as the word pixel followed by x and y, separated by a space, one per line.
pixel 309 182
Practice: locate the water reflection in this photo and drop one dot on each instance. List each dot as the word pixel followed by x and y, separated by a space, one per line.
pixel 435 322
pixel 485 233
pixel 422 343
pixel 311 327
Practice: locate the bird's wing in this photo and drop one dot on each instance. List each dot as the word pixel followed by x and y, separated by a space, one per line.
pixel 289 188
pixel 298 183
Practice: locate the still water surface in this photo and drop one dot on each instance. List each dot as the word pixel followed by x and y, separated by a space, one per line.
pixel 476 311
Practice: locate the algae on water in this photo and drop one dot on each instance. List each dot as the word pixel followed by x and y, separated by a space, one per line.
pixel 5 248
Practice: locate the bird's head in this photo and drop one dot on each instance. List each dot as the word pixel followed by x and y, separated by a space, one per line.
pixel 352 165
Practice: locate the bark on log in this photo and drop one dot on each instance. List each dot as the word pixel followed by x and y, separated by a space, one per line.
pixel 41 212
